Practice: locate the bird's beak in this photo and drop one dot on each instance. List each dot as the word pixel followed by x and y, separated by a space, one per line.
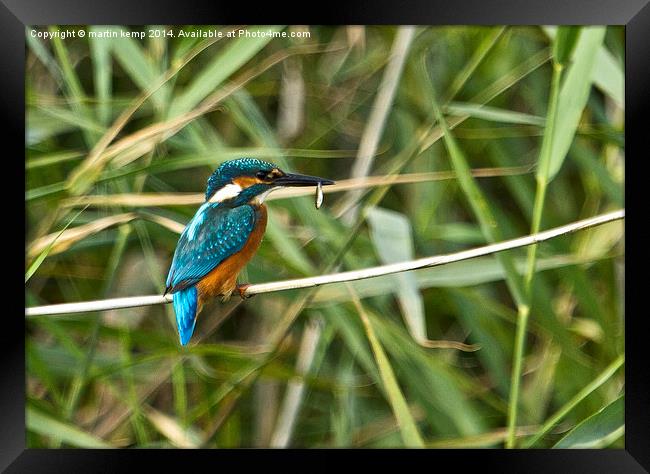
pixel 289 179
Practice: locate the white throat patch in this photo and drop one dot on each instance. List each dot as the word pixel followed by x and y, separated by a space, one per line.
pixel 229 191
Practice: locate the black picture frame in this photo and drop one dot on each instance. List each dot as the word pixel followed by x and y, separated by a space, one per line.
pixel 15 15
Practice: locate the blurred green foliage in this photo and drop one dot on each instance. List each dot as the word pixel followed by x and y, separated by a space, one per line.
pixel 375 363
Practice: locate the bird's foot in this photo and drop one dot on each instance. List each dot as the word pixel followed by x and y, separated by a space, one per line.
pixel 241 289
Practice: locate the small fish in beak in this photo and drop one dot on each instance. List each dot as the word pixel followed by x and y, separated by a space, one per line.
pixel 319 195
pixel 289 179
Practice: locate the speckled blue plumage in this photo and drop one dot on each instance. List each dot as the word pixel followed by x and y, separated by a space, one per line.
pixel 215 233
pixel 233 168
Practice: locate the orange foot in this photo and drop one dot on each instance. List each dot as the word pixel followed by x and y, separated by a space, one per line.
pixel 241 289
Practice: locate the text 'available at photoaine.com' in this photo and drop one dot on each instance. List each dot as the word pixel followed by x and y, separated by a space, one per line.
pixel 203 32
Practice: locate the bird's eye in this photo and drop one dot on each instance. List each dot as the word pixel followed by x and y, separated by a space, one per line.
pixel 262 175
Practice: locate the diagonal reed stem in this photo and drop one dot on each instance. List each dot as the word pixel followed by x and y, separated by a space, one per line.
pixel 380 111
pixel 310 282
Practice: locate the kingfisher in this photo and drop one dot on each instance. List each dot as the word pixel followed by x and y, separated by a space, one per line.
pixel 223 235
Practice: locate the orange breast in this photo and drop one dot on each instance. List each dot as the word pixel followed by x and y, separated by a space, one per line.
pixel 222 281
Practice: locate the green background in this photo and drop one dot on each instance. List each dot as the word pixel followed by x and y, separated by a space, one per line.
pixel 377 363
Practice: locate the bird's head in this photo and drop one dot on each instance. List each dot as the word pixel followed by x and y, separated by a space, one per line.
pixel 240 181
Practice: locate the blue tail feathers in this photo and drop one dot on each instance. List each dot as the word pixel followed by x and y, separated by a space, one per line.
pixel 185 304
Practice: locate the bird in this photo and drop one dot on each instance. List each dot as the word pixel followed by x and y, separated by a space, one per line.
pixel 223 236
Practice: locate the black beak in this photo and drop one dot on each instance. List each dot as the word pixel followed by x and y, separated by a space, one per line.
pixel 301 180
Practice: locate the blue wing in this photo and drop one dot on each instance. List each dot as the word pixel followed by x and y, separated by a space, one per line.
pixel 214 233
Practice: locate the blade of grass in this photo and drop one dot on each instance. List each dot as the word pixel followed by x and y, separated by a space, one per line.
pixel 477 202
pixel 160 378
pixel 392 236
pixel 479 55
pixel 490 439
pixel 58 243
pixel 39 127
pixel 130 394
pixel 598 429
pixel 46 425
pixel 82 372
pixel 44 253
pixel 564 44
pixel 51 158
pixel 295 389
pixel 39 368
pixel 609 76
pixel 542 176
pixel 234 56
pixel 574 94
pixel 603 377
pixel 478 271
pixel 408 429
pixel 133 59
pixel 179 436
pixel 577 81
pixel 374 127
pixel 75 93
pixel 42 53
pixel 439 387
pixel 83 176
pixel 73 118
pixel 100 52
pixel 608 72
pixel 492 114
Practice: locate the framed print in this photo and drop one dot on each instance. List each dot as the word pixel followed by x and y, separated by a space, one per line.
pixel 399 230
